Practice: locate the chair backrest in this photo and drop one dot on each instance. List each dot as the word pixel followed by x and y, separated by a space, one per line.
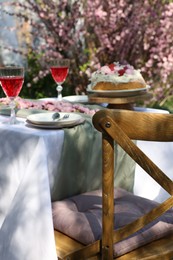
pixel 123 127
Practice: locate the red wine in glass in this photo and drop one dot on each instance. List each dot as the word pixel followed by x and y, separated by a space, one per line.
pixel 11 79
pixel 59 69
pixel 59 74
pixel 11 86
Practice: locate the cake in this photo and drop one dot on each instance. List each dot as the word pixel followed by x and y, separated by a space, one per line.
pixel 117 77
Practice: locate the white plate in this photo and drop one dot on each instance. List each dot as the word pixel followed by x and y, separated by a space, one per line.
pixel 76 99
pixel 56 126
pixel 118 93
pixel 52 99
pixel 45 120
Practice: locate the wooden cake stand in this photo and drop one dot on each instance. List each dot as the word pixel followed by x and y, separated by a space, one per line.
pixel 125 102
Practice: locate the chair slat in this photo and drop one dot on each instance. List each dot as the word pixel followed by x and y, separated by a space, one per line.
pixel 107 192
pixel 68 248
pixel 139 125
pixel 142 221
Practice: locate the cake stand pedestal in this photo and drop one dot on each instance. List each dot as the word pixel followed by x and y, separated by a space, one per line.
pixel 127 102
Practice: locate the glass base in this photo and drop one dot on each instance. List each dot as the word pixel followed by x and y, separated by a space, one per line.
pixel 11 121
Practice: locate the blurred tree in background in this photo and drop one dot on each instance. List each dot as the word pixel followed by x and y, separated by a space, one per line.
pixel 93 33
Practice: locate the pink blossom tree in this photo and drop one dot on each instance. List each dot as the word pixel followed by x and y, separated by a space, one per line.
pixel 93 33
pixel 137 32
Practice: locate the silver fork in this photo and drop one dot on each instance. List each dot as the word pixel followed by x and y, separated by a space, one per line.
pixel 64 117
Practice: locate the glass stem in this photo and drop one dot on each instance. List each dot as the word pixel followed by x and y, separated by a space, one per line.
pixel 59 90
pixel 13 113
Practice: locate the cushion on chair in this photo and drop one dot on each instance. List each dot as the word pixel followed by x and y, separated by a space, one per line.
pixel 80 218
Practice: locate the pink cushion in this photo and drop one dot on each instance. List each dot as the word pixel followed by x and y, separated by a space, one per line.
pixel 80 218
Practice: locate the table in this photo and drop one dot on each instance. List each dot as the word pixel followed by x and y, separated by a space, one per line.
pixel 34 171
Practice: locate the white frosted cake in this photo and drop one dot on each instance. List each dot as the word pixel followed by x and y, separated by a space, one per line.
pixel 117 77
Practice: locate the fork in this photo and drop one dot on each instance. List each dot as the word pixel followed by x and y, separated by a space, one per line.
pixel 64 117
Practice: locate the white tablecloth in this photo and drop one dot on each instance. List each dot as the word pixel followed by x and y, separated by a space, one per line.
pixel 161 154
pixel 37 166
pixel 25 181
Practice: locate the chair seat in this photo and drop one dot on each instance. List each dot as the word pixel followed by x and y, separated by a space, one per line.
pixel 65 245
pixel 159 250
pixel 81 219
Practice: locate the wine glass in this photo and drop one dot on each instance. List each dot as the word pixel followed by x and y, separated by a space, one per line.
pixel 11 79
pixel 59 69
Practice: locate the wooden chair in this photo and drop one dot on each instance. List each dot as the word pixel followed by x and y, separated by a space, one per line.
pixel 123 127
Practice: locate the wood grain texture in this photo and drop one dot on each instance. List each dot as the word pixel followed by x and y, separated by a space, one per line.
pixel 68 248
pixel 158 250
pixel 107 192
pixel 94 98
